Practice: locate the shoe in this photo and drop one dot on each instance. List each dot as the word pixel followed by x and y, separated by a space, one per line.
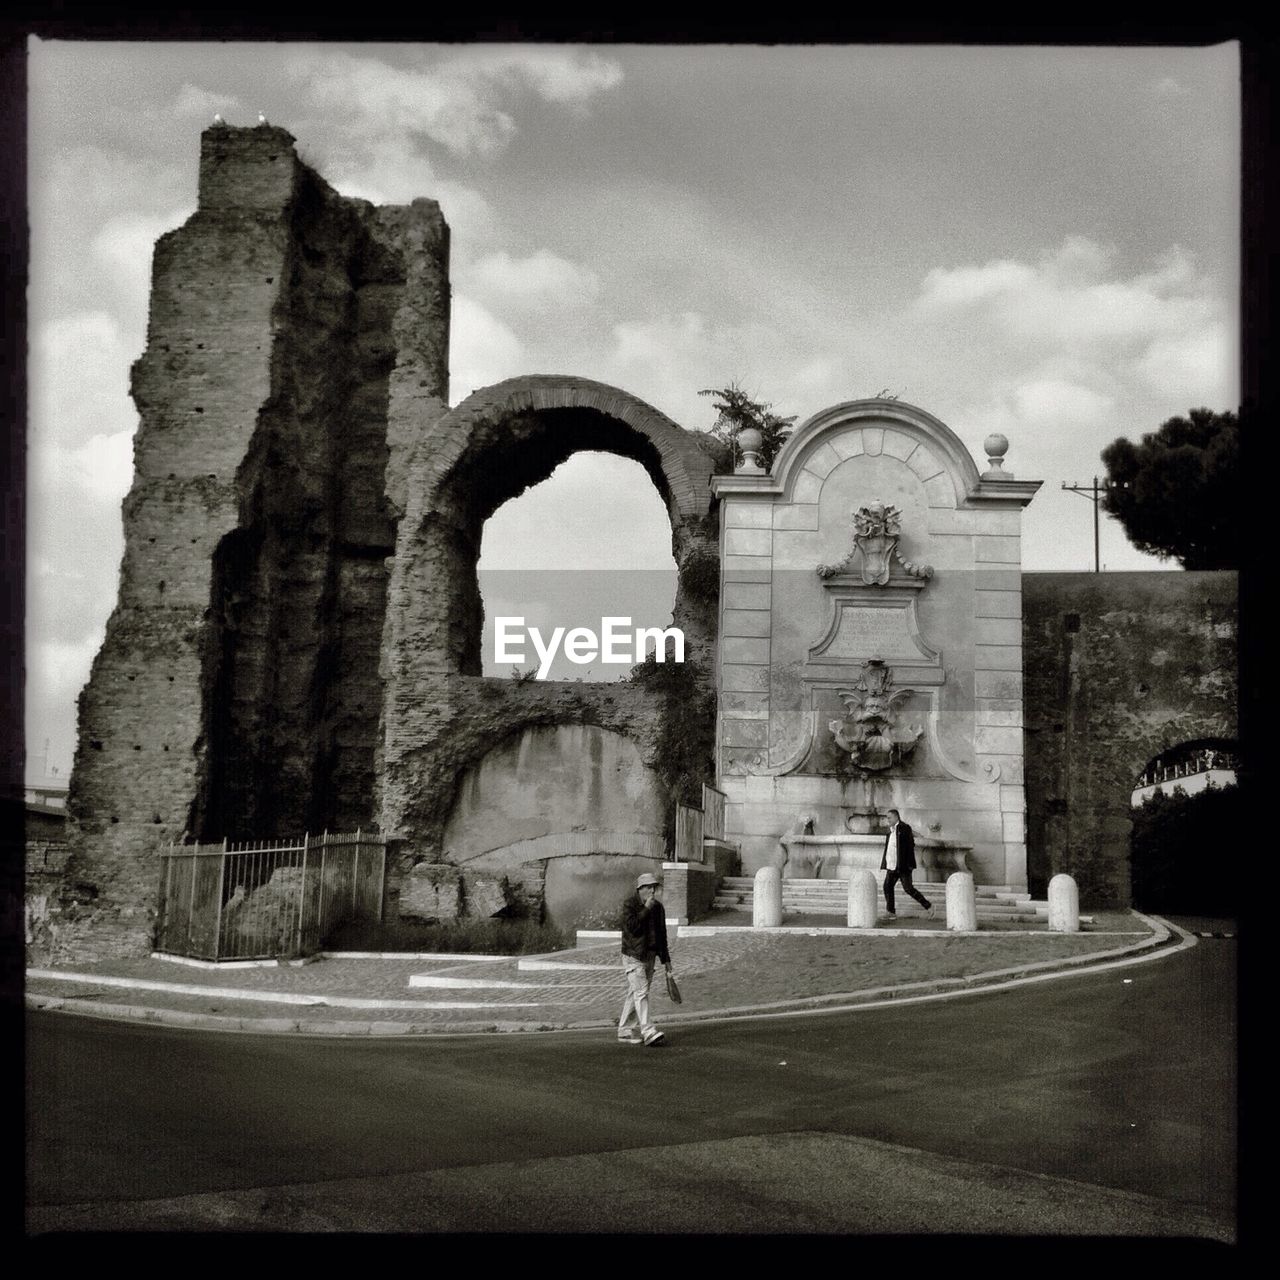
pixel 654 1038
pixel 629 1037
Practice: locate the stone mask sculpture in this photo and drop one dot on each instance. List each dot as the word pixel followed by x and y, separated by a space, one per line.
pixel 870 732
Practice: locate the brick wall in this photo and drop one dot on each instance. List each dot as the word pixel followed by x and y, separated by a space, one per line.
pixel 237 691
pixel 1119 667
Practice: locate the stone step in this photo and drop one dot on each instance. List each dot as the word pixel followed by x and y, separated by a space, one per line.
pixel 840 890
pixel 841 895
pixel 739 883
pixel 802 899
pixel 1003 917
pixel 905 917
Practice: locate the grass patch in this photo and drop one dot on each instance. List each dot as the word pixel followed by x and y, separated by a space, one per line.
pixel 495 937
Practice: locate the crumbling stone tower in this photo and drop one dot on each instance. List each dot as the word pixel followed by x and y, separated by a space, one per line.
pixel 292 335
pixel 295 643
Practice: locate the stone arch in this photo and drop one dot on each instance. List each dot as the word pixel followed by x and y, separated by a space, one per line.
pixel 925 444
pixel 1226 749
pixel 487 450
pixel 679 461
pixel 492 447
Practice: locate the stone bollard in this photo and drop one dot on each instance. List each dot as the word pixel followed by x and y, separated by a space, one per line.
pixel 863 896
pixel 962 908
pixel 766 902
pixel 1064 905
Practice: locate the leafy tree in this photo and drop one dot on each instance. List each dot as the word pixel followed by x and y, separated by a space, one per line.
pixel 739 410
pixel 1177 494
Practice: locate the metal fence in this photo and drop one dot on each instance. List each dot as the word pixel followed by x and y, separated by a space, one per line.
pixel 260 901
pixel 688 833
pixel 693 825
pixel 713 809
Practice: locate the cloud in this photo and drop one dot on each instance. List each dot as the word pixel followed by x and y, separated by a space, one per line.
pixel 195 101
pixel 1184 365
pixel 458 102
pixel 540 280
pixel 103 465
pixel 382 99
pixel 951 289
pixel 1168 87
pixel 1162 330
pixel 567 77
pixel 483 350
pixel 666 360
pixel 1071 297
pixel 391 170
pixel 124 248
pixel 79 378
pixel 61 668
pixel 596 511
pixel 1048 405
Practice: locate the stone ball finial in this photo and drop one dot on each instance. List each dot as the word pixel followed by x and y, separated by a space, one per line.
pixel 749 441
pixel 996 446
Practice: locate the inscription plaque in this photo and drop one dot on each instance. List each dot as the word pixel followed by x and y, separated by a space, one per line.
pixel 873 633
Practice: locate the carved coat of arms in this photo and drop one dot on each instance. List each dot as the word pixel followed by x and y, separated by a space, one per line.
pixel 870 732
pixel 877 527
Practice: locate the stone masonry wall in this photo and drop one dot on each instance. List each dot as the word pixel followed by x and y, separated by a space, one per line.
pixel 441 716
pixel 237 690
pixel 1119 667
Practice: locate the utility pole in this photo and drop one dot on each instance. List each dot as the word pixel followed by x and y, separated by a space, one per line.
pixel 1094 493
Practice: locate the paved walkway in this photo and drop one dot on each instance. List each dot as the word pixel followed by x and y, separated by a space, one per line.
pixel 811 963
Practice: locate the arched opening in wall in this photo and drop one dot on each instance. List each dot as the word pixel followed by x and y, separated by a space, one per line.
pixel 571 569
pixel 1187 817
pixel 442 712
pixel 491 449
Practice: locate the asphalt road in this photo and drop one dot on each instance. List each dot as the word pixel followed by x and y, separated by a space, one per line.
pixel 1095 1104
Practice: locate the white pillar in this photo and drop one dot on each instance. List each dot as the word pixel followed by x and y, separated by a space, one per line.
pixel 766 901
pixel 962 908
pixel 862 899
pixel 1064 905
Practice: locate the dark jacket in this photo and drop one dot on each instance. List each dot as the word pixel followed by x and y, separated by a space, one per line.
pixel 906 849
pixel 644 933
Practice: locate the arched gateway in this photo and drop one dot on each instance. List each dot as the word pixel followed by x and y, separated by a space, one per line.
pixel 450 734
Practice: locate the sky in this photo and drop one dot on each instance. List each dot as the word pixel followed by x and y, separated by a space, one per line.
pixel 1037 241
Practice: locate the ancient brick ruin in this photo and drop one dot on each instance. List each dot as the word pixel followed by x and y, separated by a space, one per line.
pixel 295 644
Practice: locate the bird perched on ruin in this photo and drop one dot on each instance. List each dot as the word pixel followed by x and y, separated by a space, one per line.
pixel 217 119
pixel 261 118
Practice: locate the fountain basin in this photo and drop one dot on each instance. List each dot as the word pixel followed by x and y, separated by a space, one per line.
pixel 835 857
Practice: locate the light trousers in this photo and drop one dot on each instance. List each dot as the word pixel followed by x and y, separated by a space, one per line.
pixel 639 974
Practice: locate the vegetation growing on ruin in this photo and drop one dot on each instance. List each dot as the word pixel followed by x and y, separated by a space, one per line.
pixel 739 411
pixel 700 576
pixel 686 731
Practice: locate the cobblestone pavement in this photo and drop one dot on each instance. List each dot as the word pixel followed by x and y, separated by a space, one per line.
pixel 724 970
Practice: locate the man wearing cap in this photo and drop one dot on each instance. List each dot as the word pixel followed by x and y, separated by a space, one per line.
pixel 644 940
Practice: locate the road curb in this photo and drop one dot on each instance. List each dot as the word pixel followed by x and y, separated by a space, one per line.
pixel 1160 942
